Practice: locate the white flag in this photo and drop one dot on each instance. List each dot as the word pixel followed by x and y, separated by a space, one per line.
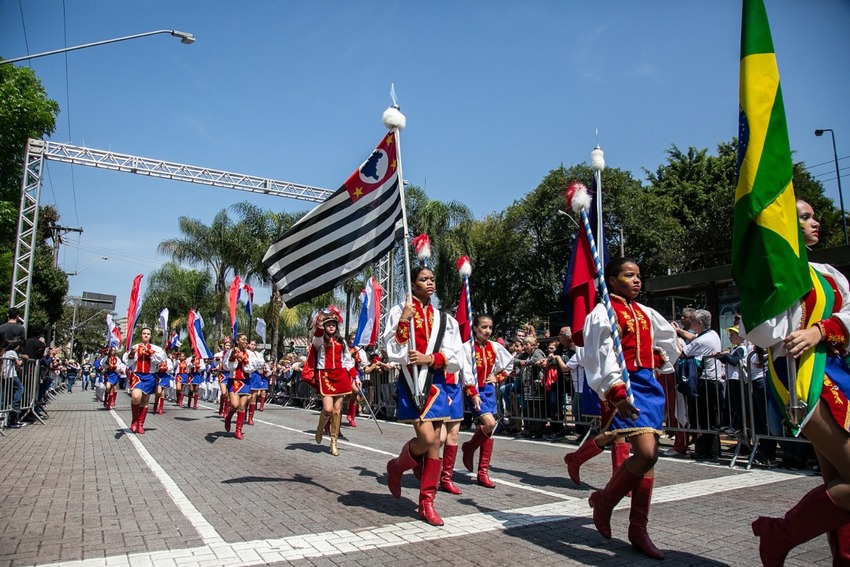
pixel 261 329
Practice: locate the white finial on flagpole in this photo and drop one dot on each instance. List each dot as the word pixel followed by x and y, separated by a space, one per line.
pixel 597 159
pixel 393 118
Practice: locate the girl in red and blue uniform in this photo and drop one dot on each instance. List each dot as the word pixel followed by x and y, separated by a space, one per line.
pixel 239 364
pixel 492 363
pixel 411 337
pixel 143 359
pixel 637 417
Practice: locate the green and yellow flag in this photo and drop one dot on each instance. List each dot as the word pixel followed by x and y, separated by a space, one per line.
pixel 769 261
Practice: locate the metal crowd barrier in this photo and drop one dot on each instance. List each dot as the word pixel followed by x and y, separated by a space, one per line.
pixel 18 391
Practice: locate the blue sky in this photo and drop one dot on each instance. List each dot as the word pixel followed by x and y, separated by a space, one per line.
pixel 496 94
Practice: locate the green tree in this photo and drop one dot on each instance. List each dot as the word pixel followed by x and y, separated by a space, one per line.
pixel 26 112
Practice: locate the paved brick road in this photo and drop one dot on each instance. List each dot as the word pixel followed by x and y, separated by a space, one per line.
pixel 82 490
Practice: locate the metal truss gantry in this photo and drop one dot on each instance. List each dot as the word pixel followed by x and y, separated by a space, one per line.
pixel 40 150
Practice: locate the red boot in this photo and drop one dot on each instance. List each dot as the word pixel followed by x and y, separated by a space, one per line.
pixel 603 501
pixel 471 446
pixel 229 419
pixel 814 514
pixel 484 464
pixel 159 403
pixel 352 410
pixel 428 489
pixel 180 399
pixel 134 425
pixel 251 408
pixel 262 404
pixel 620 451
pixel 639 517
pixel 449 456
pixel 240 419
pixel 396 467
pixel 196 401
pixel 575 460
pixel 114 398
pixel 839 544
pixel 221 401
pixel 140 427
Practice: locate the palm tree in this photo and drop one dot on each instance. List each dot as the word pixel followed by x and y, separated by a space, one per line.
pixel 263 228
pixel 179 290
pixel 219 247
pixel 446 224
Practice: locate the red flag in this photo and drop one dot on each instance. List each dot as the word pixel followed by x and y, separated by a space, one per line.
pixel 582 286
pixel 132 309
pixel 234 301
pixel 462 315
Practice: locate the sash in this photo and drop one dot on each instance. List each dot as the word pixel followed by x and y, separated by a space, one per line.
pixel 418 386
pixel 811 365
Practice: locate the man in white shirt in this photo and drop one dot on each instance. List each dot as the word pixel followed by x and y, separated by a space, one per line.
pixel 704 410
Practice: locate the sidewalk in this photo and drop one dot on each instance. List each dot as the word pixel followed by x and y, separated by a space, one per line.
pixel 82 490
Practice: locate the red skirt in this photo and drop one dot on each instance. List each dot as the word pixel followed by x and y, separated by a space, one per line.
pixel 333 382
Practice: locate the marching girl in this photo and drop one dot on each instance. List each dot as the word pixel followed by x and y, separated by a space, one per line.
pixel 360 360
pixel 426 343
pixel 816 334
pixel 334 372
pixel 259 379
pixel 224 345
pixel 196 368
pixel 164 381
pixel 239 365
pixel 181 377
pixel 143 359
pixel 112 368
pixel 492 363
pixel 637 418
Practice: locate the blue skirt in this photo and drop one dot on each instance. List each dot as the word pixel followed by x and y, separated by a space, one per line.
pixel 489 404
pixel 165 380
pixel 436 408
pixel 259 382
pixel 196 379
pixel 455 400
pixel 144 382
pixel 112 378
pixel 648 398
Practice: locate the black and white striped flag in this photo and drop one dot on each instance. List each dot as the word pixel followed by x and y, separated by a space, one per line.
pixel 355 226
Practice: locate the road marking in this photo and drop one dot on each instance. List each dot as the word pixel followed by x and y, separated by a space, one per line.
pixel 326 544
pixel 203 527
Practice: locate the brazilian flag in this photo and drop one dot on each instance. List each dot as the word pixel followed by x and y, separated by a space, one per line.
pixel 769 261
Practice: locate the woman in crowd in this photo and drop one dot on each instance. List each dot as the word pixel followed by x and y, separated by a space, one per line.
pixel 531 372
pixel 72 370
pixel 426 343
pixel 112 367
pixel 196 369
pixel 815 331
pixel 239 366
pixel 638 417
pixel 223 375
pixel 492 363
pixel 143 358
pixel 334 369
pixel 181 377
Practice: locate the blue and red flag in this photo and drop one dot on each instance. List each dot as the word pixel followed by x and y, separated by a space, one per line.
pixel 250 301
pixel 173 341
pixel 196 335
pixel 579 295
pixel 370 314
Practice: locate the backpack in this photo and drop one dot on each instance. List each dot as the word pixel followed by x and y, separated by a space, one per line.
pixel 687 375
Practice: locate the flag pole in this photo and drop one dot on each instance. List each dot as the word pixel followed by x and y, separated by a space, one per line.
pixel 796 409
pixel 578 200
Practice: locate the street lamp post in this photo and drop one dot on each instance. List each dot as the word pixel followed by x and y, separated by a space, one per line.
pixel 90 264
pixel 819 132
pixel 186 38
